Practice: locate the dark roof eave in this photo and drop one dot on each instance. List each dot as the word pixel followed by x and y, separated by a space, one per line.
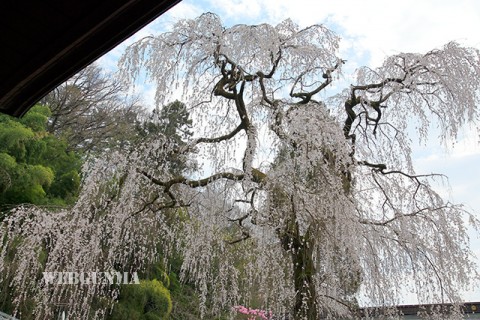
pixel 74 49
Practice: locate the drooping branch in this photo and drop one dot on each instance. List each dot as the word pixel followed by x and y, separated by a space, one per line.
pixel 271 103
pixel 377 85
pixel 194 183
pixel 245 236
pixel 402 215
pixel 307 96
pixel 262 76
pixel 145 206
pixel 351 116
pixel 403 83
pixel 275 62
pixel 351 307
pixel 381 167
pixel 227 81
pixel 256 176
pixel 241 108
pixel 240 219
pixel 227 136
pixel 354 100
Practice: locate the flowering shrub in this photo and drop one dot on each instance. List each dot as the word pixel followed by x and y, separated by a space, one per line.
pixel 254 313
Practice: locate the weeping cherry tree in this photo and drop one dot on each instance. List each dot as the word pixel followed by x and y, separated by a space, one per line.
pixel 314 195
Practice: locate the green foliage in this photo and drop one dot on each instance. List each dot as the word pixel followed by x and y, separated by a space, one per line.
pixel 172 121
pixel 185 301
pixel 36 118
pixel 35 166
pixel 148 301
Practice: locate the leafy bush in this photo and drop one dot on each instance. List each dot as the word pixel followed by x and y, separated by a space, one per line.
pixel 149 300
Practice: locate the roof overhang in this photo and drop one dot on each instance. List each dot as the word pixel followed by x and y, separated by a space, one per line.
pixel 46 42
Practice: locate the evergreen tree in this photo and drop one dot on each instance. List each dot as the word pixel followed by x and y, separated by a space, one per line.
pixel 35 166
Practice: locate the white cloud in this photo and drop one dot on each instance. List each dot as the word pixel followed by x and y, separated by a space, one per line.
pixel 374 26
pixel 370 30
pixel 239 10
pixel 183 10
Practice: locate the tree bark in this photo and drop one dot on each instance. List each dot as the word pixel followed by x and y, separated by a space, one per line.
pixel 301 252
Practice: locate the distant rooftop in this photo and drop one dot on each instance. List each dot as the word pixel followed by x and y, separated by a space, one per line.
pixel 411 311
pixel 4 316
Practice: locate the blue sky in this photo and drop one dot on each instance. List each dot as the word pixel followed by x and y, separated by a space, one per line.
pixel 371 30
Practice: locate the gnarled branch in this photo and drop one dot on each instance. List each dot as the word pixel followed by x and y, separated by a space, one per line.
pixel 307 96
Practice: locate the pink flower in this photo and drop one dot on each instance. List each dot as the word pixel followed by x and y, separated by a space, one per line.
pixel 262 314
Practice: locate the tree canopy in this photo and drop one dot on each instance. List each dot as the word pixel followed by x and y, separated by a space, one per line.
pixel 92 111
pixel 315 195
pixel 35 166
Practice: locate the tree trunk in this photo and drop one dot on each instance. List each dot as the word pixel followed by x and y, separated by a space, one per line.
pixel 301 251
